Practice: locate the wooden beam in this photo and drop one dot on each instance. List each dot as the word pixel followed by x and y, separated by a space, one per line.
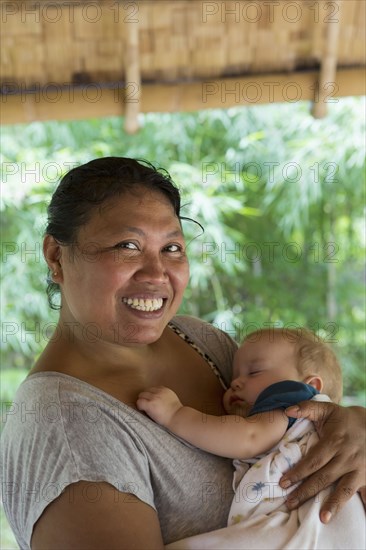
pixel 328 67
pixel 93 101
pixel 133 77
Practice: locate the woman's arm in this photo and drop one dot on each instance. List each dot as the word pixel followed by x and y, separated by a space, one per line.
pixel 338 458
pixel 89 516
pixel 230 436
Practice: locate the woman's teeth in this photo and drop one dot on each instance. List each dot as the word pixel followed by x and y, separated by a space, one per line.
pixel 144 305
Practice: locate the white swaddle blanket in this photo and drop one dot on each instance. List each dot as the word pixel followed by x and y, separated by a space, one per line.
pixel 259 518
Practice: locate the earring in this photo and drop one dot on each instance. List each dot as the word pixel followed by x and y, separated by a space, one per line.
pixel 54 273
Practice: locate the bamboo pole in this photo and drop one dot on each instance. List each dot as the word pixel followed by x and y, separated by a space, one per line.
pixel 328 69
pixel 133 77
pixel 161 97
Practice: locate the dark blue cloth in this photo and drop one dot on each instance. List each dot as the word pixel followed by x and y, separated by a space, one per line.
pixel 282 395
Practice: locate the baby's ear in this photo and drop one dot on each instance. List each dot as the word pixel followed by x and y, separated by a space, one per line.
pixel 314 381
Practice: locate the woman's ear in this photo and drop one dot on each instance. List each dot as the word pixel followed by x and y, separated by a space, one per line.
pixel 315 381
pixel 52 253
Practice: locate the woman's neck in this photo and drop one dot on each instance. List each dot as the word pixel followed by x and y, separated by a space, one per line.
pixel 77 352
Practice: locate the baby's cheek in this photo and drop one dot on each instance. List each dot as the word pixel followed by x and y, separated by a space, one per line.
pixel 226 401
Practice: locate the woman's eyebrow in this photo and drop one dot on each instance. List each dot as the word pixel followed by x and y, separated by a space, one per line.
pixel 176 233
pixel 171 234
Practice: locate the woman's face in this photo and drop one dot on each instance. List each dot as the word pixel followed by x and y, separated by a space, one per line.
pixel 125 278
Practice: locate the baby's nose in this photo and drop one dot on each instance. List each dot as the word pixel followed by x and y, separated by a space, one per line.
pixel 236 384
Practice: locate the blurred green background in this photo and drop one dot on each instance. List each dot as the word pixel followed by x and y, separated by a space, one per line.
pixel 281 198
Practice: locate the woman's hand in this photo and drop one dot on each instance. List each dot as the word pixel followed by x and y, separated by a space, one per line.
pixel 338 458
pixel 160 404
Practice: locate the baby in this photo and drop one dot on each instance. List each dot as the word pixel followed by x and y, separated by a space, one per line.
pixel 273 369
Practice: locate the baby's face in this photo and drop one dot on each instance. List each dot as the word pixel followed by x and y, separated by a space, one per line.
pixel 257 365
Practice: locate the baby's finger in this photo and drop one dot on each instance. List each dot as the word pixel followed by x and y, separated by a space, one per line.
pixel 142 403
pixel 147 402
pixel 146 395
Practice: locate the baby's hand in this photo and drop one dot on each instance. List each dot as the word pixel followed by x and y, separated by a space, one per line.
pixel 160 403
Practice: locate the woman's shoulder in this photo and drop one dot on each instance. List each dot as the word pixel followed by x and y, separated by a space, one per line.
pixel 46 387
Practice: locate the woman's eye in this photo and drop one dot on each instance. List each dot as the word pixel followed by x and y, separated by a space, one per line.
pixel 128 245
pixel 174 248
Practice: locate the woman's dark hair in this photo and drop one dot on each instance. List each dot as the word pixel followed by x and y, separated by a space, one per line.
pixel 86 187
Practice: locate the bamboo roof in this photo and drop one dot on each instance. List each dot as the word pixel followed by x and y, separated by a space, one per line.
pixel 69 59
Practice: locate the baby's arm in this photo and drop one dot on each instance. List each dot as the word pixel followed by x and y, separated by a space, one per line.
pixel 230 436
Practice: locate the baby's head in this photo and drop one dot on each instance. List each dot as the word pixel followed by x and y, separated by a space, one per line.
pixel 271 355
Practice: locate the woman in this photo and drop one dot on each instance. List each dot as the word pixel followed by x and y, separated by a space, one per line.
pixel 82 467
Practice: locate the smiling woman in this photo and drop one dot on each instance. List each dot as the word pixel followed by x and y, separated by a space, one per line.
pixel 88 469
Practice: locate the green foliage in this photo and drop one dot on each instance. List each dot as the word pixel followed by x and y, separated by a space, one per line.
pixel 280 196
pixel 7 539
pixel 11 379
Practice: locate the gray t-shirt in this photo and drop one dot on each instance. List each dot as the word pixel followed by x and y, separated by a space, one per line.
pixel 61 430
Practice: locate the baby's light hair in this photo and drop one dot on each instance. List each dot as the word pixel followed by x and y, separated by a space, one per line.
pixel 314 357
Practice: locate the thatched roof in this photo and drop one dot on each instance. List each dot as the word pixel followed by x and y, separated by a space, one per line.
pixel 79 58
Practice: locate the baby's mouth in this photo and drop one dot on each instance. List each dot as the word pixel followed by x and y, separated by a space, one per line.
pixel 235 399
pixel 141 304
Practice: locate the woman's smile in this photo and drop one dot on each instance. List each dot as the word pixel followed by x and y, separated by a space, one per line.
pixel 142 304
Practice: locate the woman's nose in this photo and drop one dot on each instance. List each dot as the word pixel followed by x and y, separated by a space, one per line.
pixel 152 269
